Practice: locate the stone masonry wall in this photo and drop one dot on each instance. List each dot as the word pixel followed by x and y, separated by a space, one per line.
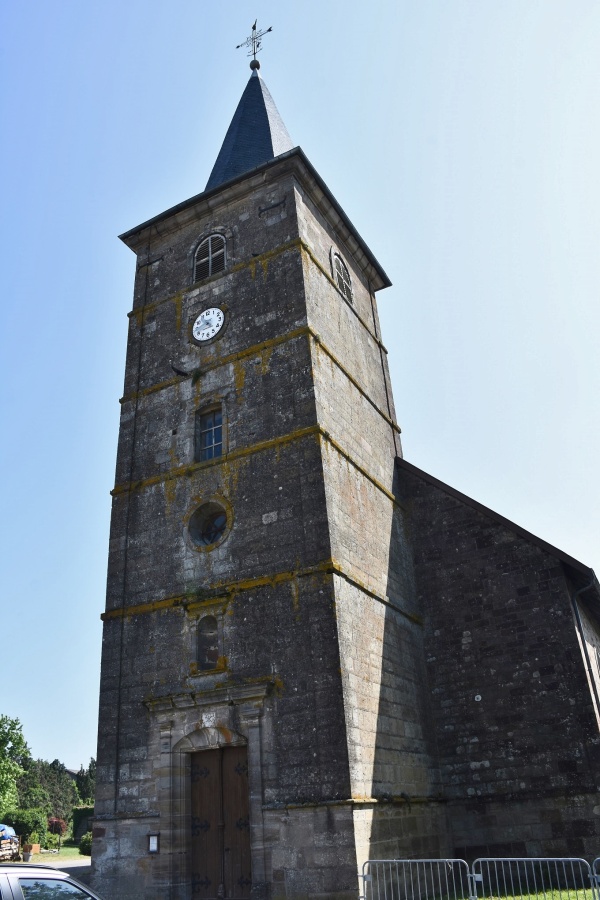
pixel 527 827
pixel 268 582
pixel 515 725
pixel 389 733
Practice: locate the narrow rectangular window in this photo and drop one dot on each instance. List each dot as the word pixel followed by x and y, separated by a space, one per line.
pixel 208 643
pixel 209 435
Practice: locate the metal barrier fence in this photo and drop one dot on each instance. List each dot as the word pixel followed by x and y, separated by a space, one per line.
pixel 487 879
pixel 415 879
pixel 555 878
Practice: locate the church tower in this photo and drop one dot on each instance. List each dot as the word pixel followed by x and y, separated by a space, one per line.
pixel 263 681
pixel 314 653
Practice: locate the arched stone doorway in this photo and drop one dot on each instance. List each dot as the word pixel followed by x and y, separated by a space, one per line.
pixel 219 731
pixel 220 862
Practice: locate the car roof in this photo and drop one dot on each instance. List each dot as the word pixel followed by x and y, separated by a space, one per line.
pixel 33 867
pixel 30 870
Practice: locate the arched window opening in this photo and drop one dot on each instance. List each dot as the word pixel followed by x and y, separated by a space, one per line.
pixel 209 434
pixel 208 643
pixel 210 257
pixel 342 276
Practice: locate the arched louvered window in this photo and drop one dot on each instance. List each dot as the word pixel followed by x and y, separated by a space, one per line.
pixel 342 276
pixel 210 257
pixel 208 643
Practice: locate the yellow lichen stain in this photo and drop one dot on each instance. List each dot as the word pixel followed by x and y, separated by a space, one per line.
pixel 296 244
pixel 274 680
pixel 153 606
pixel 225 592
pixel 138 315
pixel 195 605
pixel 265 359
pixel 177 300
pixel 220 666
pixel 265 258
pixel 231 470
pixel 237 466
pixel 305 260
pixel 170 494
pixel 225 733
pixel 160 386
pixel 295 596
pixel 216 362
pixel 239 376
pixel 323 445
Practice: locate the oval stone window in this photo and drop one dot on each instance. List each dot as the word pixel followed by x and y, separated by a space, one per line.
pixel 207 524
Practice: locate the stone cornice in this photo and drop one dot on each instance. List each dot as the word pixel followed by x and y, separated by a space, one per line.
pixel 141 312
pixel 293 162
pixel 312 431
pixel 224 591
pixel 220 695
pixel 255 350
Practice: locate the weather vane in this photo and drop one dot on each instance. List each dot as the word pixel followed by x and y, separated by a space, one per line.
pixel 254 44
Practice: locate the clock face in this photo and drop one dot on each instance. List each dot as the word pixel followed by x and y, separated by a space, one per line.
pixel 208 324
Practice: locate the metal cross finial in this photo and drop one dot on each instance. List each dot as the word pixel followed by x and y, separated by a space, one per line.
pixel 254 43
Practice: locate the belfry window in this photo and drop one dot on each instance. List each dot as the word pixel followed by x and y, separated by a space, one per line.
pixel 342 276
pixel 209 434
pixel 208 643
pixel 210 257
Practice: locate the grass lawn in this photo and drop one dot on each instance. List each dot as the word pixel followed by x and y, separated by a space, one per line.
pixel 554 894
pixel 549 894
pixel 67 851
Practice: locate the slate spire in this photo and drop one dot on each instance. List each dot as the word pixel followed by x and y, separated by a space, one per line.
pixel 256 133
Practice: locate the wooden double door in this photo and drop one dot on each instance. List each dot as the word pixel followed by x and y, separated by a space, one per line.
pixel 221 865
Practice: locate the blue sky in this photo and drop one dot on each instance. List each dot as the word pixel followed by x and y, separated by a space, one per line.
pixel 462 139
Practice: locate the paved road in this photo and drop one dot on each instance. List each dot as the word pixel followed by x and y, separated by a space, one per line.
pixel 78 867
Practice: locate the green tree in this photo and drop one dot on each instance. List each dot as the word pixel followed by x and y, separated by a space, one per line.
pixel 13 754
pixel 61 788
pixel 28 823
pixel 48 785
pixel 58 827
pixel 86 782
pixel 85 844
pixel 31 792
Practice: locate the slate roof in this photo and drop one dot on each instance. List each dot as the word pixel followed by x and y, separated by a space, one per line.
pixel 256 135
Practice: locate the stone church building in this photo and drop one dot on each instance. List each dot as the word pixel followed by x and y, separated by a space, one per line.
pixel 314 652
